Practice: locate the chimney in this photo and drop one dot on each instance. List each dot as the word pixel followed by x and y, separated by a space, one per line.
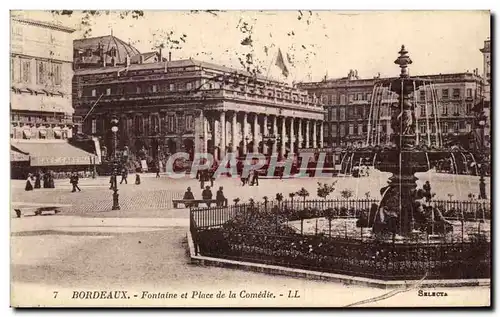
pixel 169 56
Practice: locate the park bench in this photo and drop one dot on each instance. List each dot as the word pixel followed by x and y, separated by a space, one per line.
pixel 195 202
pixel 36 208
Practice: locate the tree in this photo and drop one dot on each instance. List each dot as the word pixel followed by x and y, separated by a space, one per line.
pixel 324 190
pixel 303 193
pixel 346 193
pixel 329 215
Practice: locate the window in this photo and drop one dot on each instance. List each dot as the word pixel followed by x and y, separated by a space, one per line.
pixel 138 90
pixel 369 97
pixel 351 129
pixel 462 125
pixel 139 125
pixel 342 129
pixel 334 114
pixel 359 113
pixel 444 94
pixel 56 73
pixel 351 97
pixel 12 73
pixel 469 92
pixel 468 108
pixel 342 114
pixel 172 87
pixel 455 108
pixel 189 123
pixel 89 52
pixel 155 124
pixel 94 92
pixel 189 86
pixel 94 126
pixel 155 89
pixel 41 72
pixel 26 70
pixel 445 109
pixel 360 96
pixel 360 129
pixel 170 123
pixel 333 99
pixel 456 93
pixel 342 99
pixel 350 113
pixel 445 127
pixel 422 95
pixel 334 130
pixel 324 99
pixel 423 111
pixel 463 109
pixel 468 127
pixel 108 91
pixel 423 129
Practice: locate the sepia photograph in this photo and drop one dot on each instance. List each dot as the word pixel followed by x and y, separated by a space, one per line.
pixel 260 158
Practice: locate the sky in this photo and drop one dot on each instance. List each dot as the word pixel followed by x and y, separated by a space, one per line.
pixel 318 43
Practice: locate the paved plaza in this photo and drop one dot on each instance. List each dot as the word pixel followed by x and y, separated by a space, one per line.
pixel 143 247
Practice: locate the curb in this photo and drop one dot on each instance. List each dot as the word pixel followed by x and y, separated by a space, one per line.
pixel 315 275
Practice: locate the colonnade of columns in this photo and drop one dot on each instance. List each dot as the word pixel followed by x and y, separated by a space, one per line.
pixel 245 132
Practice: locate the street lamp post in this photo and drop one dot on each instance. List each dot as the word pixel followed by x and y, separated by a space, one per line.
pixel 482 185
pixel 114 129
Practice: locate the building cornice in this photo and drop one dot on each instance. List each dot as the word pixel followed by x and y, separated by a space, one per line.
pixel 44 24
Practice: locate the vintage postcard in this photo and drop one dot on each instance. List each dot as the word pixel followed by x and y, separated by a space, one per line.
pixel 250 158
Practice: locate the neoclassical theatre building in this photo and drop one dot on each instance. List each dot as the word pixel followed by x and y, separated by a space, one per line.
pixel 165 106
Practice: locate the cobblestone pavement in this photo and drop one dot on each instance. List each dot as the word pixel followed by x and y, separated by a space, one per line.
pixel 157 193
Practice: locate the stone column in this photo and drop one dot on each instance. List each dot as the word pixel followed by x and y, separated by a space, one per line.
pixel 275 133
pixel 264 134
pixel 222 134
pixel 315 144
pixel 214 137
pixel 255 133
pixel 283 135
pixel 244 133
pixel 234 138
pixel 321 134
pixel 301 139
pixel 307 134
pixel 292 136
pixel 204 136
pixel 205 133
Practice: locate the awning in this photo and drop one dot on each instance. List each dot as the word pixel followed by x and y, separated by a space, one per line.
pixel 27 134
pixel 53 153
pixel 17 156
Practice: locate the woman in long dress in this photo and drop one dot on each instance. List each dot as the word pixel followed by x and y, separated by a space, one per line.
pixel 29 184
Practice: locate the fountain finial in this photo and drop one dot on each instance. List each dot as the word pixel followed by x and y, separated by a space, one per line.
pixel 403 61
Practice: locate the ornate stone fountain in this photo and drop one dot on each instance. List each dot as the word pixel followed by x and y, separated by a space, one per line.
pixel 401 212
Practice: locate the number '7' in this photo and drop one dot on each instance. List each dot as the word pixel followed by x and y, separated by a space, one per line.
pixel 55 294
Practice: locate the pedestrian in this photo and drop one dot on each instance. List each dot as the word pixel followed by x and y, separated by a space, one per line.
pixel 51 180
pixel 37 179
pixel 124 176
pixel 137 179
pixel 203 175
pixel 29 185
pixel 427 189
pixel 158 172
pixel 219 197
pixel 188 194
pixel 206 194
pixel 211 174
pixel 74 181
pixel 251 176
pixel 255 180
pixel 244 180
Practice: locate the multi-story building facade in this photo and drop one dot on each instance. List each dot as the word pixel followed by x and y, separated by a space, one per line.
pixel 192 106
pixel 486 107
pixel 42 118
pixel 354 105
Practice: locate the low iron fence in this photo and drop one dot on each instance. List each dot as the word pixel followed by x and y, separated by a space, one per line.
pixel 327 236
pixel 291 210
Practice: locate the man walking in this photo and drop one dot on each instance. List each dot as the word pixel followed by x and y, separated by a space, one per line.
pixel 124 176
pixel 74 181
